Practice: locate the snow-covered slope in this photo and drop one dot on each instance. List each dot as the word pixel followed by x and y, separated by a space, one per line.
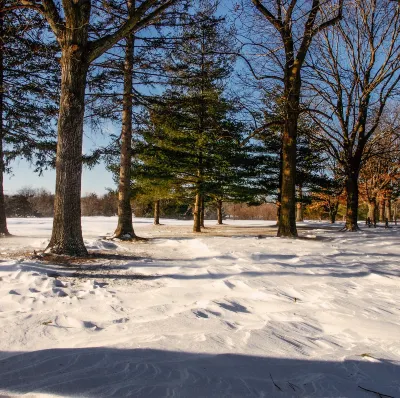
pixel 202 316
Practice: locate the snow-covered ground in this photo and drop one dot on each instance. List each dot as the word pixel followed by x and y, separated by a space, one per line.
pixel 240 314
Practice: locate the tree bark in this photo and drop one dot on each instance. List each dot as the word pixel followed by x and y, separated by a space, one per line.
pixel 67 231
pixel 219 212
pixel 197 213
pixel 300 207
pixel 287 214
pixel 157 212
pixel 352 201
pixel 125 223
pixel 3 218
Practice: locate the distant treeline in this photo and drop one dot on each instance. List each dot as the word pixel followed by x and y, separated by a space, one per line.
pixel 29 202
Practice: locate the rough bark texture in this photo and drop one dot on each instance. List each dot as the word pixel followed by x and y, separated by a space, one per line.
pixel 219 212
pixel 3 219
pixel 157 212
pixel 300 207
pixel 352 201
pixel 197 213
pixel 67 232
pixel 125 227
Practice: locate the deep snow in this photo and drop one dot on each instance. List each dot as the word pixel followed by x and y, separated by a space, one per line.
pixel 201 315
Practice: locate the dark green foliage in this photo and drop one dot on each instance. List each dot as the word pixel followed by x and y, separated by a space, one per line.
pixel 193 143
pixel 30 91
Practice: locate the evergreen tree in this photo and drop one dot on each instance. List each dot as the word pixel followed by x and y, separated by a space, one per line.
pixel 192 132
pixel 28 94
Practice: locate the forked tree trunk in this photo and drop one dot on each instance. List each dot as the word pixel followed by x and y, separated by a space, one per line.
pixel 3 219
pixel 67 232
pixel 157 212
pixel 352 201
pixel 300 207
pixel 202 212
pixel 125 223
pixel 219 212
pixel 197 213
pixel 287 214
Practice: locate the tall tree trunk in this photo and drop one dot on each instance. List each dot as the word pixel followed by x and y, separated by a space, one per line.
pixel 157 212
pixel 219 212
pixel 287 216
pixel 66 235
pixel 382 210
pixel 352 201
pixel 125 228
pixel 3 219
pixel 197 213
pixel 202 212
pixel 67 231
pixel 372 210
pixel 300 207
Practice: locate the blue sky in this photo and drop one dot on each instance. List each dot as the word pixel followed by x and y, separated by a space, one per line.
pixel 95 180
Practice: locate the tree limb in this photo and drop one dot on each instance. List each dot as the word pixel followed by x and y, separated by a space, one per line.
pixel 135 22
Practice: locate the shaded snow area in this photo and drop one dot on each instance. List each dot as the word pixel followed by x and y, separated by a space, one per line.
pixel 185 315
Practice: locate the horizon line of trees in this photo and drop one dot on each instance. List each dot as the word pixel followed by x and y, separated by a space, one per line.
pixel 38 203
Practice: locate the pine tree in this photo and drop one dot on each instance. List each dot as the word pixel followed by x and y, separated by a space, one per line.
pixel 28 94
pixel 191 131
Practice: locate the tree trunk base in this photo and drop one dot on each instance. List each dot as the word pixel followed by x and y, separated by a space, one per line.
pixel 350 228
pixel 73 250
pixel 5 235
pixel 126 236
pixel 286 232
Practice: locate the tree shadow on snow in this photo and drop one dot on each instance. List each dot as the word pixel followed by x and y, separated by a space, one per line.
pixel 109 372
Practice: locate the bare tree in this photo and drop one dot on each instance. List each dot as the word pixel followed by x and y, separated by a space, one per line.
pixel 380 172
pixel 72 22
pixel 356 69
pixel 295 23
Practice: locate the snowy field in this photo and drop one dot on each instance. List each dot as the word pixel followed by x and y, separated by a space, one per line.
pixel 233 312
